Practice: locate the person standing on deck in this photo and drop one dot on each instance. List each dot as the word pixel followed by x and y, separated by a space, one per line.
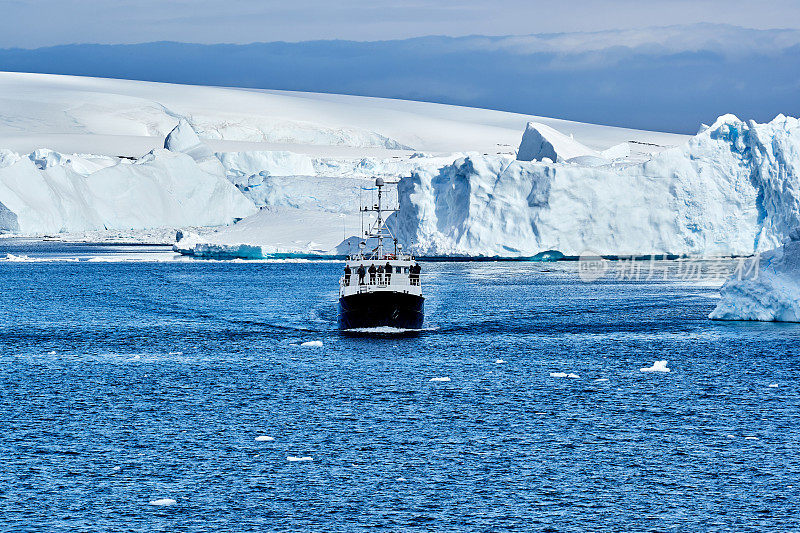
pixel 414 274
pixel 388 270
pixel 361 273
pixel 372 270
pixel 347 273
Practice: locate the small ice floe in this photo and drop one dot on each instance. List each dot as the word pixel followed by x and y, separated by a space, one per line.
pixel 264 438
pixel 175 353
pixel 312 344
pixel 658 366
pixel 751 438
pixel 297 459
pixel 51 352
pixel 116 469
pixel 401 479
pixel 731 436
pixel 773 385
pixel 445 378
pixel 163 502
pixel 600 379
pixel 563 375
pixel 17 258
pixel 499 362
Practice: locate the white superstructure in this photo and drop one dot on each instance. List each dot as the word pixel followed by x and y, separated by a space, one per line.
pixel 378 270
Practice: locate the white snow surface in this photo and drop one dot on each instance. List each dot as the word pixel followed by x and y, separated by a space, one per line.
pixel 129 118
pixel 765 288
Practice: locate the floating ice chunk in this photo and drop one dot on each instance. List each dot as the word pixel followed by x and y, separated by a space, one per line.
pixel 312 344
pixel 297 459
pixel 773 385
pixel 116 468
pixel 751 438
pixel 658 366
pixel 563 375
pixel 163 502
pixel 499 362
pixel 264 438
pixel 731 436
pixel 51 352
pixel 401 479
pixel 600 379
pixel 17 258
pixel 440 379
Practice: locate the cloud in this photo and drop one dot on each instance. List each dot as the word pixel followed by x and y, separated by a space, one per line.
pixel 49 22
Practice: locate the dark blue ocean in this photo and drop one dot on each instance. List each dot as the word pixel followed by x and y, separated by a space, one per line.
pixel 124 382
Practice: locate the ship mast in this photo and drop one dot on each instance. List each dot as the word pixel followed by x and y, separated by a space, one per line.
pixel 379 229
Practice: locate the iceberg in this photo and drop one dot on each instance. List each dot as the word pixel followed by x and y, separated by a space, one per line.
pixel 733 189
pixel 48 192
pixel 540 142
pixel 765 287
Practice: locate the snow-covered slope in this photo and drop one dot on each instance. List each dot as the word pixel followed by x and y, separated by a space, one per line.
pixel 766 287
pixel 733 189
pixel 132 117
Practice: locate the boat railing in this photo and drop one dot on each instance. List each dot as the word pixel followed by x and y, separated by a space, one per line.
pixel 379 280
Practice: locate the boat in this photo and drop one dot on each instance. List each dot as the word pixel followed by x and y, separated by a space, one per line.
pixel 380 288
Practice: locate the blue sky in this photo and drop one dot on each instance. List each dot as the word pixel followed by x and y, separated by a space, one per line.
pixel 29 23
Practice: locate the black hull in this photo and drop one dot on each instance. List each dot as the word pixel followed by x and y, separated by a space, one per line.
pixel 381 309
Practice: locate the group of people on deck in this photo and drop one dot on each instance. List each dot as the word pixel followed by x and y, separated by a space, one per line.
pixel 382 274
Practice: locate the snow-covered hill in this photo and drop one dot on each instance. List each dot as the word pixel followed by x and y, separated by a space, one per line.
pixel 308 159
pixel 128 118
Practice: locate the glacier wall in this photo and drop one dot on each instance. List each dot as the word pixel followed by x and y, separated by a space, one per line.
pixel 733 189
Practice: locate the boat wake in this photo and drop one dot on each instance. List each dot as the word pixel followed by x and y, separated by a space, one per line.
pixel 386 330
